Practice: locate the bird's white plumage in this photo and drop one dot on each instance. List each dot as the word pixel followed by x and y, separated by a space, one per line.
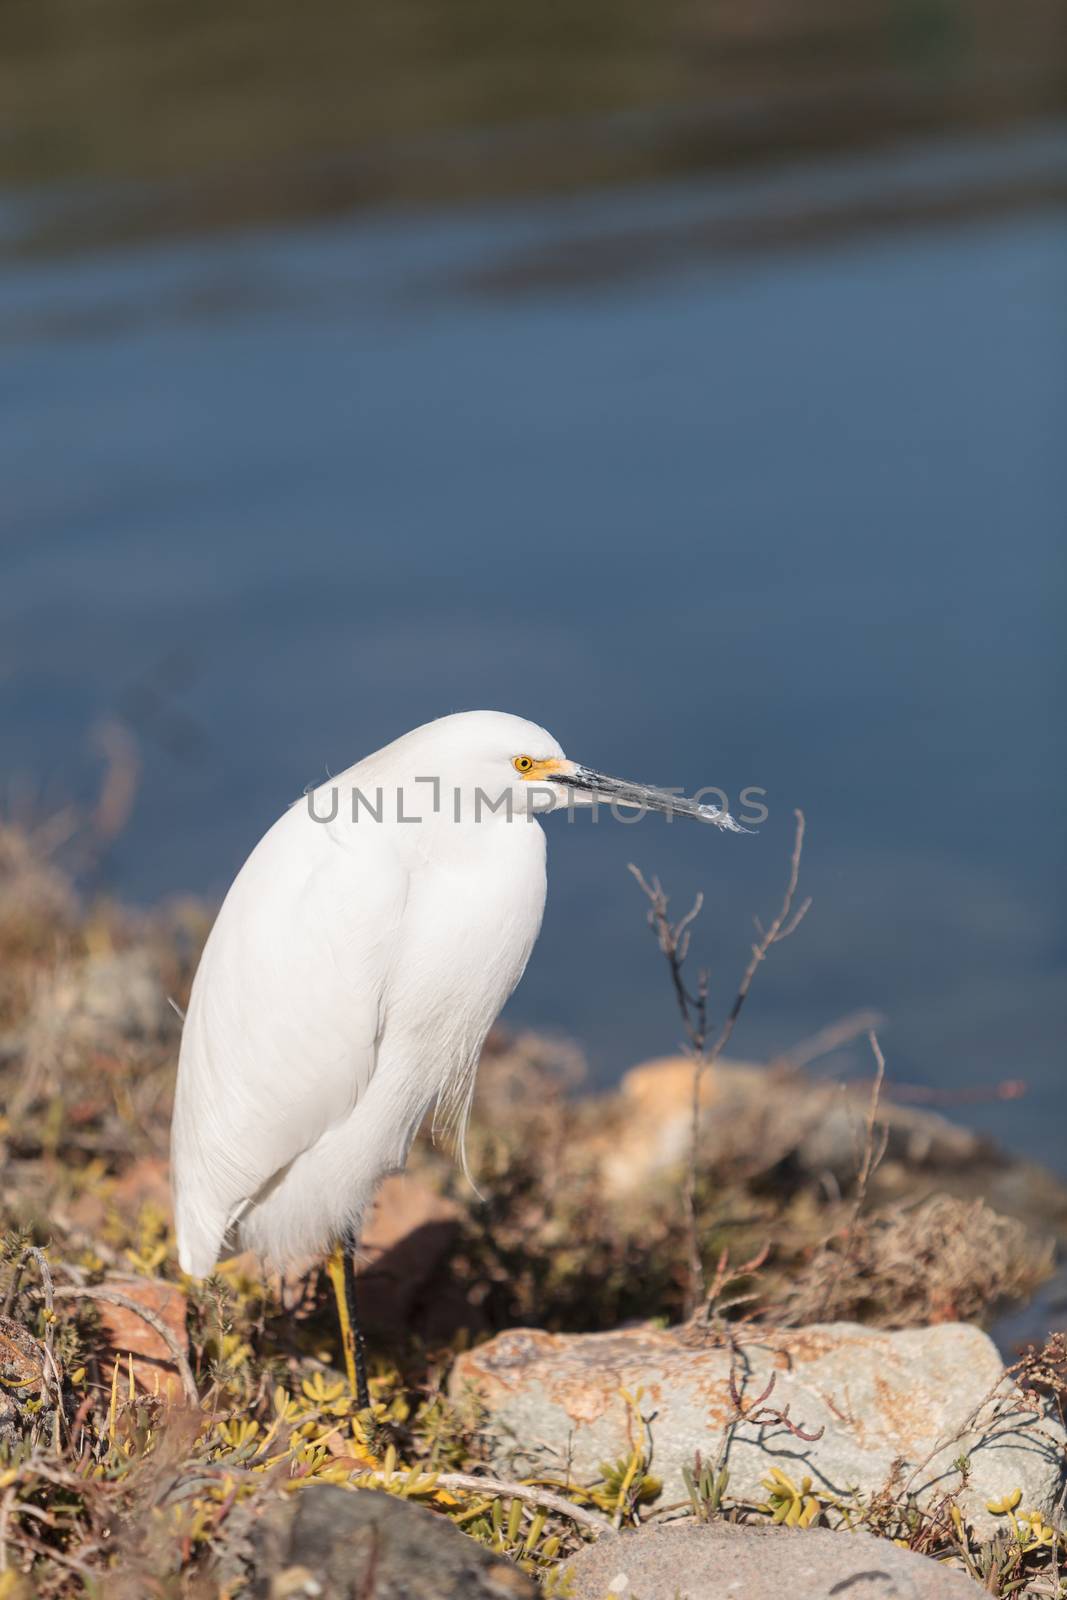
pixel 348 984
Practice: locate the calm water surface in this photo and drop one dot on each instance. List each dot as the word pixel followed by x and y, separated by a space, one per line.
pixel 784 513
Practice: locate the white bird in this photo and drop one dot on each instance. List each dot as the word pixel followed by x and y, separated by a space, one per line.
pixel 358 961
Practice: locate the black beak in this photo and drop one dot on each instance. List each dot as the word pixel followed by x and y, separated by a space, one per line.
pixel 645 797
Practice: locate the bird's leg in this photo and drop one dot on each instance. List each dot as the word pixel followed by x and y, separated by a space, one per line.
pixel 341 1268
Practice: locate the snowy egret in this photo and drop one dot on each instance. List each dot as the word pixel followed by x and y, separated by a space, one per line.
pixel 358 961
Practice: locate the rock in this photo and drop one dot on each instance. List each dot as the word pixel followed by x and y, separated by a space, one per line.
pixel 752 1112
pixel 880 1399
pixel 145 1182
pixel 128 1334
pixel 718 1561
pixel 21 1377
pixel 916 1138
pixel 407 1236
pixel 356 1544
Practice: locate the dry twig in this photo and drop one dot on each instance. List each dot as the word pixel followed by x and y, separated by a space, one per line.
pixel 760 1415
pixel 528 1492
pixel 757 1413
pixel 874 1147
pixel 673 939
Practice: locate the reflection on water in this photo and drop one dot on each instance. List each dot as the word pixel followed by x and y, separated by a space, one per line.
pixel 746 480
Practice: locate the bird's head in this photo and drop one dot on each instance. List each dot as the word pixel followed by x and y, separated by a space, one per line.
pixel 519 769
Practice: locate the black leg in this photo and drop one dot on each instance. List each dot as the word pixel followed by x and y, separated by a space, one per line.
pixel 348 1245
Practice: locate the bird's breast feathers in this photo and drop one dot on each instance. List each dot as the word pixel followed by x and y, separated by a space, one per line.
pixel 325 969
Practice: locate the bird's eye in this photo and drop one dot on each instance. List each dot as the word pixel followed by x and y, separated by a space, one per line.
pixel 522 763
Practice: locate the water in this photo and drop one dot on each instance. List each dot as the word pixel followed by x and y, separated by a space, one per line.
pixel 716 495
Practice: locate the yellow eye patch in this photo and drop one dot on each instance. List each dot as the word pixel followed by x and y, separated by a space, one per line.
pixel 530 767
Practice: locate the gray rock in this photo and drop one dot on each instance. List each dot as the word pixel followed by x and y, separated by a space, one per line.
pixel 357 1544
pixel 898 1408
pixel 691 1561
pixel 641 1133
pixel 915 1137
pixel 22 1381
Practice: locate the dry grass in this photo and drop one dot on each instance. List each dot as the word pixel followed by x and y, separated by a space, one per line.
pixel 98 1476
pixel 944 1260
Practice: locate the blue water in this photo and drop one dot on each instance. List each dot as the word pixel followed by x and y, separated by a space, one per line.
pixel 789 517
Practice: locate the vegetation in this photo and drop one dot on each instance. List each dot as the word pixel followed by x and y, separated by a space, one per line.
pixel 145 1418
pixel 241 118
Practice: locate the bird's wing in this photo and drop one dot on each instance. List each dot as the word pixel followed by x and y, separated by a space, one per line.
pixel 281 1035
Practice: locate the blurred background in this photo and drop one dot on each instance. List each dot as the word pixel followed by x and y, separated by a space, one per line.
pixel 688 378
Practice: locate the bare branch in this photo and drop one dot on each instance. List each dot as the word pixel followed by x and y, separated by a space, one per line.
pixel 528 1492
pixel 673 940
pixel 874 1148
pixel 827 1040
pixel 781 928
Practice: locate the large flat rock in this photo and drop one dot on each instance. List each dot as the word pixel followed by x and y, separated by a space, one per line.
pixel 690 1561
pixel 901 1407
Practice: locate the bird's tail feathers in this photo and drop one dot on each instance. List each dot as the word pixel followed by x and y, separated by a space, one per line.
pixel 200 1240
